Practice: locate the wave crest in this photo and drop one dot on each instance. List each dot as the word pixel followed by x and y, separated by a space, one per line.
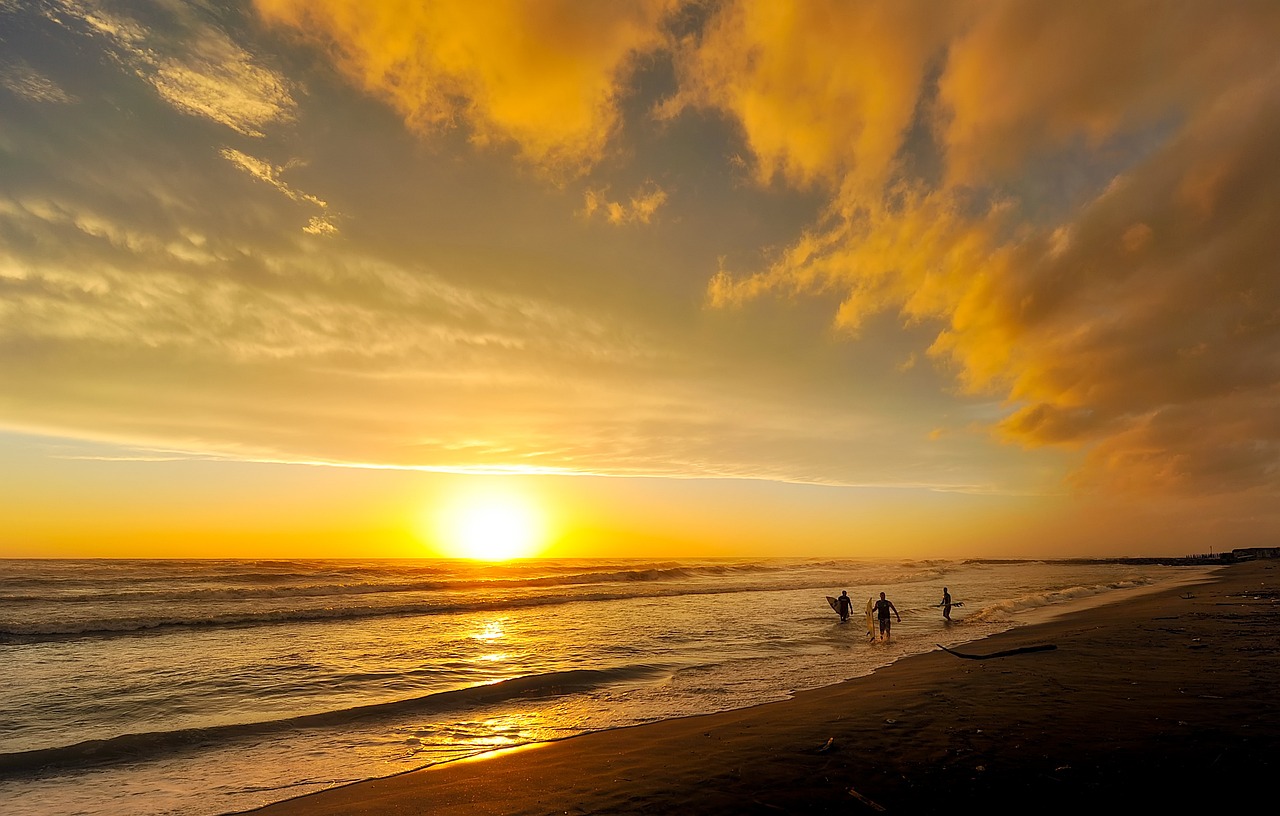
pixel 134 747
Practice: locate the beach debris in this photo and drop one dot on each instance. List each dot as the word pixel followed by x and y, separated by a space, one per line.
pixel 1043 647
pixel 890 720
pixel 830 741
pixel 864 800
pixel 767 805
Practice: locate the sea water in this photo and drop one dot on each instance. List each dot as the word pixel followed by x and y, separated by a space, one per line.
pixel 204 687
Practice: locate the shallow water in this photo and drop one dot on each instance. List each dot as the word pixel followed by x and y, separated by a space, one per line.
pixel 203 687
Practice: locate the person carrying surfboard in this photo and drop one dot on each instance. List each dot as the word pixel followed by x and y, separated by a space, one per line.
pixel 946 604
pixel 844 605
pixel 883 608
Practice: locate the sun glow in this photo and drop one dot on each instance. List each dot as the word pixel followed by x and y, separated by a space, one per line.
pixel 490 526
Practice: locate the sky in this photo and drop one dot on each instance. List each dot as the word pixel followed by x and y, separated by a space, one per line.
pixel 301 278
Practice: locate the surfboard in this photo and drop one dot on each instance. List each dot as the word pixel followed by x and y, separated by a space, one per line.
pixel 835 607
pixel 871 618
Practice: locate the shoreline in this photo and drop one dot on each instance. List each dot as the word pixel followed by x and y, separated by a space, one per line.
pixel 1139 702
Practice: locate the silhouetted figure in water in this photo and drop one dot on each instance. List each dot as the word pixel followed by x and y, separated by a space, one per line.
pixel 844 604
pixel 946 604
pixel 883 607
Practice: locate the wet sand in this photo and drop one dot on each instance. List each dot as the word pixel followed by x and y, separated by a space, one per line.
pixel 1168 700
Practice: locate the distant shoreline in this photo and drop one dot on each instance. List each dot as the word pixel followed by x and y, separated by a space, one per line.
pixel 1166 561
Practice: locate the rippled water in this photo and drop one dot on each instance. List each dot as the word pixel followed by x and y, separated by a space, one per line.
pixel 202 687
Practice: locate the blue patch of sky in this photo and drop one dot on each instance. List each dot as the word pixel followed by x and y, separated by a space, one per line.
pixel 1054 186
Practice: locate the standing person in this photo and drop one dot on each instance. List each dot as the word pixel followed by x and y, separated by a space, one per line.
pixel 844 604
pixel 946 604
pixel 883 608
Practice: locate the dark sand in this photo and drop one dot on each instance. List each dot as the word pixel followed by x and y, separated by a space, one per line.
pixel 1161 701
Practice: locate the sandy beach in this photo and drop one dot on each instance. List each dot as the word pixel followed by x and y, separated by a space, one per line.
pixel 1167 700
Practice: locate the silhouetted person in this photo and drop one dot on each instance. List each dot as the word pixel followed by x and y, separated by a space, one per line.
pixel 883 608
pixel 946 604
pixel 844 604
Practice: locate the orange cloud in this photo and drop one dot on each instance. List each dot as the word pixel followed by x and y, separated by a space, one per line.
pixel 1125 327
pixel 1026 78
pixel 545 77
pixel 822 90
pixel 640 209
pixel 1150 337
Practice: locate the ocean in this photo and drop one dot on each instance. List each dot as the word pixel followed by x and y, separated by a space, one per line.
pixel 203 687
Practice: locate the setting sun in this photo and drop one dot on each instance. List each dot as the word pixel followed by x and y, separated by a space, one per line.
pixel 490 527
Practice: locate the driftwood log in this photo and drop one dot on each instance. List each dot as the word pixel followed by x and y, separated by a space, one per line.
pixel 1044 647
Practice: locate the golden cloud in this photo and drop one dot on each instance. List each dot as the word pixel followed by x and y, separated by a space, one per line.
pixel 266 171
pixel 19 78
pixel 1122 327
pixel 639 209
pixel 545 77
pixel 1025 78
pixel 206 74
pixel 824 91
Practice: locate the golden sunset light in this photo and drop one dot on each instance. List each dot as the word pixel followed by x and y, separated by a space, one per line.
pixel 691 389
pixel 936 279
pixel 490 527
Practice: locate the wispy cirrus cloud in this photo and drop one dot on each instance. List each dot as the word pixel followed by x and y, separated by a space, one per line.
pixel 158 292
pixel 175 341
pixel 192 65
pixel 347 360
pixel 21 79
pixel 262 170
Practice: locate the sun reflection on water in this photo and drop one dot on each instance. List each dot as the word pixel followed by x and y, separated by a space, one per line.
pixel 501 731
pixel 492 630
pixel 489 633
